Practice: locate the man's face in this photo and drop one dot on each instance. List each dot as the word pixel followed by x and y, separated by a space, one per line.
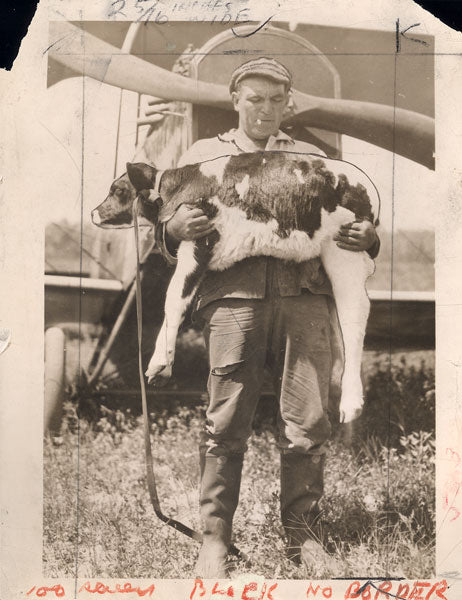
pixel 260 103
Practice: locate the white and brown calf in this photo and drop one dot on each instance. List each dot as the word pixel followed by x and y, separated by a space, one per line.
pixel 286 205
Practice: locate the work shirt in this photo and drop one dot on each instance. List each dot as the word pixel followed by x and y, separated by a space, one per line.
pixel 248 278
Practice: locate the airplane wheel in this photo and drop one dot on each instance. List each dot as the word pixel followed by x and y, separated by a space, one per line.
pixel 54 380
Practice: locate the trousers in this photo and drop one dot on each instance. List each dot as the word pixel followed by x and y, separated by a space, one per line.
pixel 289 335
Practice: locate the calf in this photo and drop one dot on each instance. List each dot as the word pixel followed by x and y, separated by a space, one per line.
pixel 281 204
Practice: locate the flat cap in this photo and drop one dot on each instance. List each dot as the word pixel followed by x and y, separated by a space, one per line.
pixel 263 66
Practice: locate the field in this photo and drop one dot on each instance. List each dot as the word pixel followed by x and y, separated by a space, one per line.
pixel 379 490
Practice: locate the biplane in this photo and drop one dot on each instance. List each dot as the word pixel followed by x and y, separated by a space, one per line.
pixel 346 82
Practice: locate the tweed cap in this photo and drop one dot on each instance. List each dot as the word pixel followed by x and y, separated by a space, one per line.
pixel 263 66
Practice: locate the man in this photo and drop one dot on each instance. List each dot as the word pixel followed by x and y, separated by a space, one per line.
pixel 262 312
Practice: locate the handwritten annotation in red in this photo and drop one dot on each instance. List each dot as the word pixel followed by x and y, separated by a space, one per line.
pixel 369 590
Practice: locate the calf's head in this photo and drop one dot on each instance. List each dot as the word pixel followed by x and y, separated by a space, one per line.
pixel 116 211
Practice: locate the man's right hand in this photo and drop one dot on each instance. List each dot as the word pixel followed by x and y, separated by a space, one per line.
pixel 188 223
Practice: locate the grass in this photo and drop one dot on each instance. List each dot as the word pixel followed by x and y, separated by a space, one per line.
pixel 378 504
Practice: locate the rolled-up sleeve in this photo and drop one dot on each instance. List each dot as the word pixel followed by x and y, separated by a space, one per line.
pixel 167 253
pixel 373 251
pixel 198 152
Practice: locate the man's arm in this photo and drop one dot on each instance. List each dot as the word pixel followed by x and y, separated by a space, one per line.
pixel 359 236
pixel 188 222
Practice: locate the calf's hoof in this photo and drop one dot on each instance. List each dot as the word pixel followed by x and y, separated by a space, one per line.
pixel 159 375
pixel 212 561
pixel 349 411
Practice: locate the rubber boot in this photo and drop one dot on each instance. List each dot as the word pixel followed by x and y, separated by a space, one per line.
pixel 219 496
pixel 302 484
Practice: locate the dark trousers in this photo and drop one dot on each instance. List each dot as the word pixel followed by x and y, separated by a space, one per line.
pixel 291 336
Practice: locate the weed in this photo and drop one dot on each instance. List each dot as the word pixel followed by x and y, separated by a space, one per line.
pixel 377 512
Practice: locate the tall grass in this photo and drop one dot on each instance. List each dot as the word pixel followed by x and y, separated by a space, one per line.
pixel 378 507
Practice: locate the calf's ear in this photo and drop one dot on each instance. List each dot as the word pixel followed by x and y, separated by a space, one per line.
pixel 141 176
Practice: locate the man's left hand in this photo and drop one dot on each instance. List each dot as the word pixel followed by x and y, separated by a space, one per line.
pixel 356 236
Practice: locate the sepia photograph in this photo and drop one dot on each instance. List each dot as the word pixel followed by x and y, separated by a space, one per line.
pixel 230 304
pixel 276 172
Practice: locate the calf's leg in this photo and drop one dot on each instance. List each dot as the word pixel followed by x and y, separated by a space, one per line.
pixel 348 272
pixel 180 292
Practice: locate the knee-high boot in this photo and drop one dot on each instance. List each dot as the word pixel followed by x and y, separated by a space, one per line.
pixel 219 496
pixel 302 484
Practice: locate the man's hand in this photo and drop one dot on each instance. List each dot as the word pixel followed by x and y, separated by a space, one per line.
pixel 188 223
pixel 356 236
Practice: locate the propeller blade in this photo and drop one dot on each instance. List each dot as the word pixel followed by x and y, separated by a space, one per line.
pixel 404 132
pixel 95 58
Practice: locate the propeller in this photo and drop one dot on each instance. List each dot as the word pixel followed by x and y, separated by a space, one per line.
pixel 404 132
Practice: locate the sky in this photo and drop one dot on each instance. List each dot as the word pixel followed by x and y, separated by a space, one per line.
pixel 406 188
